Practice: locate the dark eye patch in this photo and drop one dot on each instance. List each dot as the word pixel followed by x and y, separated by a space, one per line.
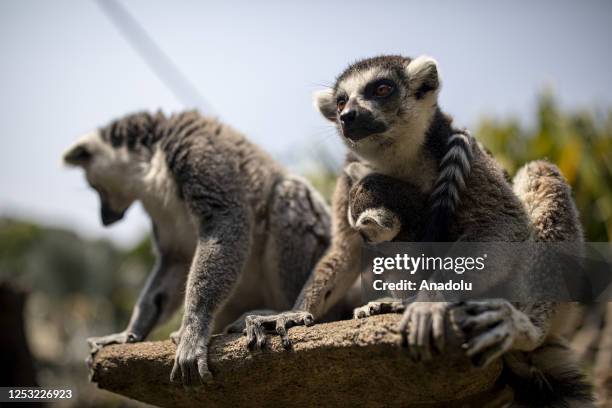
pixel 369 91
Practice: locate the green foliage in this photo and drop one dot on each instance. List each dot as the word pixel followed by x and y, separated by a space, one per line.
pixel 15 240
pixel 580 143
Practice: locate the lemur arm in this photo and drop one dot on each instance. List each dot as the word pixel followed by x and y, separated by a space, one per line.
pixel 330 280
pixel 158 300
pixel 338 269
pixel 221 252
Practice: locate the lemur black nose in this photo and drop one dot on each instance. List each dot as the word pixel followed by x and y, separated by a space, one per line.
pixel 348 116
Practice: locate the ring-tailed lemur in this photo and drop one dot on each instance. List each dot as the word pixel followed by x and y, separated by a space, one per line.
pixel 234 231
pixel 545 376
pixel 386 109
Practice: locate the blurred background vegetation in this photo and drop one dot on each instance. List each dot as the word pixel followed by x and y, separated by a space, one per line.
pixel 579 142
pixel 80 288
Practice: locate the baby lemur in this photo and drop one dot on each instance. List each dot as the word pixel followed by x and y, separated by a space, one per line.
pixel 234 231
pixel 386 110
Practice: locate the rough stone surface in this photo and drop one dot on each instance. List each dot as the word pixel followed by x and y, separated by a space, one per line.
pixel 346 363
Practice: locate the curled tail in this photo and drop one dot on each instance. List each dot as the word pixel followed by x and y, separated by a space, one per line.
pixel 548 200
pixel 445 197
pixel 548 376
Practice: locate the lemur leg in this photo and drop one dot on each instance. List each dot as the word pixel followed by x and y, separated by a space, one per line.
pixel 380 306
pixel 331 278
pixel 158 300
pixel 221 253
pixel 493 327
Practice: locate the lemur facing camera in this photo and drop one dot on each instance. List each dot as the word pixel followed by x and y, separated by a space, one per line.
pixel 387 112
pixel 234 231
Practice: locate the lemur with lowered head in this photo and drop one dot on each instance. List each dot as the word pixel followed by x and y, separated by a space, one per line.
pixel 386 110
pixel 233 230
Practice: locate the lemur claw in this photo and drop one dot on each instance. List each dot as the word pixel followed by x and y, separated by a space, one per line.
pixel 488 328
pixel 378 307
pixel 257 327
pixel 422 327
pixel 191 360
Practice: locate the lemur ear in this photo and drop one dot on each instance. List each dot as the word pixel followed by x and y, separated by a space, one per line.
pixel 77 155
pixel 325 103
pixel 356 171
pixel 423 76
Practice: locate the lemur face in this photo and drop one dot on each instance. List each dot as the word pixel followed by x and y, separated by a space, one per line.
pixel 108 171
pixel 377 99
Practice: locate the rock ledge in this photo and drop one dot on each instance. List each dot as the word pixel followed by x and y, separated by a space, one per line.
pixel 344 363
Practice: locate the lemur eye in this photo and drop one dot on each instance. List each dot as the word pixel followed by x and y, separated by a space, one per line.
pixel 340 104
pixel 383 90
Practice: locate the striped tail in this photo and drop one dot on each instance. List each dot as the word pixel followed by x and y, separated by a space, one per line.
pixel 548 377
pixel 455 168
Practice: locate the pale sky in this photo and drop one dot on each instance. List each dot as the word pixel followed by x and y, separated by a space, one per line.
pixel 65 69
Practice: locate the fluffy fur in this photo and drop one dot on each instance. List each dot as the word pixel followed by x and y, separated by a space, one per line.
pixel 405 135
pixel 402 134
pixel 234 231
pixel 547 375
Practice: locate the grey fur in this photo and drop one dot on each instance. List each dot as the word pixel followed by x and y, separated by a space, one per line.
pixel 406 136
pixel 413 146
pixel 540 367
pixel 234 231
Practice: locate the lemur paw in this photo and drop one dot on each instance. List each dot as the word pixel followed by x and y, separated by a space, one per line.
pixel 378 307
pixel 191 360
pixel 258 326
pixel 422 328
pixel 96 343
pixel 489 329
